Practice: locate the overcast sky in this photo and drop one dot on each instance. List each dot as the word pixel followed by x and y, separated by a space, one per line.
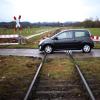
pixel 49 10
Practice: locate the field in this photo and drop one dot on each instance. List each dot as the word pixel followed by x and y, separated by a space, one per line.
pixel 25 31
pixel 33 42
pixel 35 30
pixel 95 31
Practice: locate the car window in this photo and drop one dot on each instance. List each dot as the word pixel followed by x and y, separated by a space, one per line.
pixel 65 35
pixel 62 35
pixel 69 35
pixel 80 34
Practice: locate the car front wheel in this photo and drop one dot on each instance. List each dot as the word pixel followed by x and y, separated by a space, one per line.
pixel 86 48
pixel 48 49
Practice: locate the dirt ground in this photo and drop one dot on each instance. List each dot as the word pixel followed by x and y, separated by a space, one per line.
pixel 16 74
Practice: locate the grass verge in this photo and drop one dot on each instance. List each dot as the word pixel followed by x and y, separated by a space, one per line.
pixel 90 67
pixel 16 74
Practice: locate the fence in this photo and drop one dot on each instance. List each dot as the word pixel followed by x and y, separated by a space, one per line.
pixel 95 38
pixel 11 39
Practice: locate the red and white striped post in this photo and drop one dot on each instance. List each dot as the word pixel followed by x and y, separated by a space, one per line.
pixel 95 38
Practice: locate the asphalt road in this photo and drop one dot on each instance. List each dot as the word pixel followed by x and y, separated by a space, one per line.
pixel 37 53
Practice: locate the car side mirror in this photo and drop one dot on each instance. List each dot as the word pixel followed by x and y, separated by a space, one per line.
pixel 55 38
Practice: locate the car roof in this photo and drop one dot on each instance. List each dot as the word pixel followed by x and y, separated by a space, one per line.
pixel 72 30
pixel 75 30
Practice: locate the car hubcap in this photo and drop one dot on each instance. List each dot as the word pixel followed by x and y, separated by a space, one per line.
pixel 86 48
pixel 48 49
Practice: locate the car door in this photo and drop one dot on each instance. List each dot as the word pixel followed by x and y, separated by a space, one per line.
pixel 79 37
pixel 64 40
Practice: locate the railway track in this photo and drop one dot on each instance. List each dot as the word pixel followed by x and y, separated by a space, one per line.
pixel 43 88
pixel 87 87
pixel 32 88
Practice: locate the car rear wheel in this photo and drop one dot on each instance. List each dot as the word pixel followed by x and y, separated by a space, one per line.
pixel 86 48
pixel 48 49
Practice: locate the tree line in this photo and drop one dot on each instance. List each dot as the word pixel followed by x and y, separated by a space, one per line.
pixel 88 23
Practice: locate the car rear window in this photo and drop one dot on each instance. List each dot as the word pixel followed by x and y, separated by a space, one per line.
pixel 80 34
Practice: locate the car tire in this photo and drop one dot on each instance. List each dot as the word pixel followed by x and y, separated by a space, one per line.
pixel 48 49
pixel 86 48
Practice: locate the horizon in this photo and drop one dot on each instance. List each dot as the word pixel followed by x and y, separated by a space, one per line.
pixel 42 22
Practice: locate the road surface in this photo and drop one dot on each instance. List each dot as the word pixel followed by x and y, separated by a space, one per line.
pixel 37 53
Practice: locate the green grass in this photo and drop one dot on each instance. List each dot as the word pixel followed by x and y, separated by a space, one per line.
pixel 90 67
pixel 34 30
pixel 25 31
pixel 94 31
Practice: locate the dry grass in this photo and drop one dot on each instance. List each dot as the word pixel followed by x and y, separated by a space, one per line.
pixel 58 69
pixel 16 74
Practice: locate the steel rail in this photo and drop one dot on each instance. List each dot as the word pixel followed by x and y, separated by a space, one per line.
pixel 82 77
pixel 34 79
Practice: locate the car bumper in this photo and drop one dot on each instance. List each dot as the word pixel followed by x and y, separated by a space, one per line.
pixel 40 48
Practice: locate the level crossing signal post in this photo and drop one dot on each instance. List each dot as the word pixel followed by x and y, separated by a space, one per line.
pixel 18 28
